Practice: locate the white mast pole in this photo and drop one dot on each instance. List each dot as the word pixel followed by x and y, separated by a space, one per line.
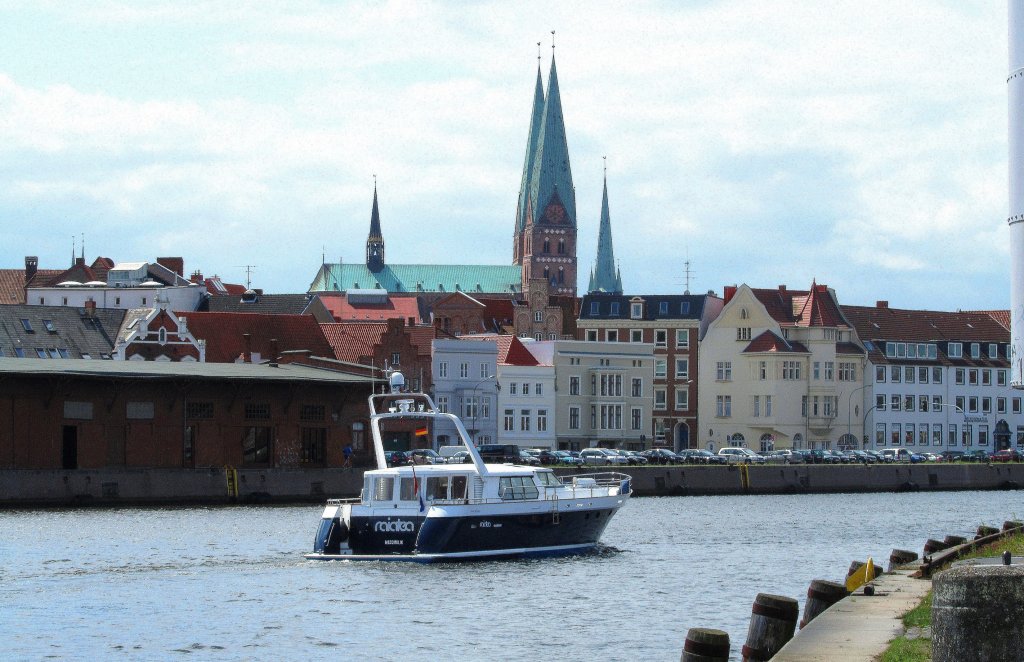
pixel 1015 95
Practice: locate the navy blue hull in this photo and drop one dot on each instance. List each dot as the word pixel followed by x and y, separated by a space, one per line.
pixel 480 535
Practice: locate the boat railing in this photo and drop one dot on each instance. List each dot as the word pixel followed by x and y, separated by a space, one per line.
pixel 342 502
pixel 600 481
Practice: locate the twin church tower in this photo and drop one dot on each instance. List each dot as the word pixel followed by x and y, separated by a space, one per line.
pixel 545 239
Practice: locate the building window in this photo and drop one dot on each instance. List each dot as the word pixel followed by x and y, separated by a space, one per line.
pixel 257 411
pixel 975 350
pixel 1000 378
pixel 485 370
pixel 538 389
pixel 636 335
pixel 637 390
pixel 612 335
pixel 442 369
pixel 27 326
pixel 908 374
pixel 546 247
pixel 464 370
pixel 660 368
pixel 723 371
pixel 538 316
pixel 955 350
pixel 542 420
pixel 762 370
pixel 574 385
pixel 613 309
pixel 442 404
pixel 682 338
pixel 509 420
pixel 986 378
pixel 960 373
pixel 767 405
pixel 663 308
pixel 358 435
pixel 314 445
pixel 743 333
pixel 311 413
pixel 791 370
pixel 659 399
pixel 526 388
pixel 936 375
pixel 636 310
pixel 682 398
pixel 199 410
pixel 830 371
pixel 660 338
pixel 682 368
pixel 847 372
pixel 574 418
pixel 635 416
pixel 561 248
pixel 256 445
pixel 723 406
pixel 879 374
pixel 592 335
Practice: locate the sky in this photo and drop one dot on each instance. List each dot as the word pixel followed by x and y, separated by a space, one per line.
pixel 859 144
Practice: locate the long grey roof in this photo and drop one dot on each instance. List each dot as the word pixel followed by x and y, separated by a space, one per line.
pixel 287 372
pixel 551 172
pixel 279 304
pixel 69 329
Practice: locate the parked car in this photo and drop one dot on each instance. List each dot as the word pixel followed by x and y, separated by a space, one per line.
pixel 976 455
pixel 567 458
pixel 425 456
pixel 460 458
pixel 396 458
pixel 735 455
pixel 602 456
pixel 692 456
pixel 528 459
pixel 952 456
pixel 790 456
pixel 865 457
pixel 633 457
pixel 661 456
pixel 1006 455
pixel 499 452
pixel 547 457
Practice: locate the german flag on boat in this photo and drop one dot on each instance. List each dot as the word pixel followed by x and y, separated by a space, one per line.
pixel 421 431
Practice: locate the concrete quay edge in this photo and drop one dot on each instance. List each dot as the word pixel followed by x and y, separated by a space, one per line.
pixel 859 627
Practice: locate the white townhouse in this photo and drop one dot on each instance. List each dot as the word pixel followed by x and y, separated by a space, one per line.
pixel 780 368
pixel 938 381
pixel 465 383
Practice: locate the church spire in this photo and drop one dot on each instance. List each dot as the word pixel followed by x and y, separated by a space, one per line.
pixel 375 242
pixel 536 118
pixel 605 276
pixel 551 181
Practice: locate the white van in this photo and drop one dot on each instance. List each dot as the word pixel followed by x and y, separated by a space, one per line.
pixel 447 451
pixel 896 454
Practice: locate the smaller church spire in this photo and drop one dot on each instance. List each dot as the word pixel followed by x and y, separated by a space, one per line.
pixel 605 276
pixel 375 241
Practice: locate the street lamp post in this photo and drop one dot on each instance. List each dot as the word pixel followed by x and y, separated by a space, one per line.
pixel 849 409
pixel 863 425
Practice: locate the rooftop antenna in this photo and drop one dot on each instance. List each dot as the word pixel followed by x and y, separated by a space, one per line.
pixel 605 166
pixel 323 254
pixel 686 274
pixel 538 54
pixel 249 268
pixel 83 247
pixel 552 41
pixel 73 250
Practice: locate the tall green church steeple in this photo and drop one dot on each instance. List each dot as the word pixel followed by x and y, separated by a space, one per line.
pixel 605 277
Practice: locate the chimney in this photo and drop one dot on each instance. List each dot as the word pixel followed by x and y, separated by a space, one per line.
pixel 782 289
pixel 196 277
pixel 31 266
pixel 730 292
pixel 881 304
pixel 247 356
pixel 79 261
pixel 274 354
pixel 412 321
pixel 175 264
pixel 90 308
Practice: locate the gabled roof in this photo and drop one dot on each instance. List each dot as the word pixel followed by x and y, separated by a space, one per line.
pixel 73 330
pixel 814 307
pixel 884 323
pixel 1000 316
pixel 12 283
pixel 511 350
pixel 215 286
pixel 474 279
pixel 344 310
pixel 769 341
pixel 225 339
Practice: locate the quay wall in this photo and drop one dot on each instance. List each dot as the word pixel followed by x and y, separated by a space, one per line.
pixel 31 487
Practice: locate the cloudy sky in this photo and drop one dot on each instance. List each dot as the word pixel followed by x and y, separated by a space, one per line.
pixel 860 144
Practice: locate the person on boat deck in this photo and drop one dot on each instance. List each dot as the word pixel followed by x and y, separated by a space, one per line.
pixel 347 452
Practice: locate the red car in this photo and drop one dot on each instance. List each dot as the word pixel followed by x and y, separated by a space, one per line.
pixel 1006 455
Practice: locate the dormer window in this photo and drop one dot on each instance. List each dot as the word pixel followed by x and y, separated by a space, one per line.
pixel 663 308
pixel 595 308
pixel 993 351
pixel 614 308
pixel 636 310
pixel 975 350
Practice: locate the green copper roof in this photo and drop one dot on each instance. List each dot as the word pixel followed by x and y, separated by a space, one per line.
pixel 551 173
pixel 605 277
pixel 469 278
pixel 531 151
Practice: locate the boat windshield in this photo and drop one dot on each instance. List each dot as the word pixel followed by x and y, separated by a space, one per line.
pixel 548 479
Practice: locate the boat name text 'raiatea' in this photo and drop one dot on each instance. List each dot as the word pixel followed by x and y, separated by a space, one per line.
pixel 397 526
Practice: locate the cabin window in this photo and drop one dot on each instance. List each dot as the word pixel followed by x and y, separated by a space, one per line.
pixel 384 489
pixel 459 487
pixel 517 487
pixel 437 488
pixel 407 489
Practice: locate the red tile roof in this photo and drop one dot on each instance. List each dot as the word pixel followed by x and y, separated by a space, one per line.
pixel 393 308
pixel 884 323
pixel 12 283
pixel 770 342
pixel 352 341
pixel 511 350
pixel 814 307
pixel 225 342
pixel 421 336
pixel 1001 316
